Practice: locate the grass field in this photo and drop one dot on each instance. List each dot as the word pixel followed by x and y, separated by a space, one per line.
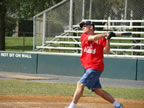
pixel 19 44
pixel 21 87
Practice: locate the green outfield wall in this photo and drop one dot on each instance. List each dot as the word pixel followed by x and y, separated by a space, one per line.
pixel 60 65
pixel 120 68
pixel 140 69
pixel 37 63
pixel 18 62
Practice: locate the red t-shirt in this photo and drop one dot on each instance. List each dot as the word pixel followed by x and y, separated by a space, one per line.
pixel 92 53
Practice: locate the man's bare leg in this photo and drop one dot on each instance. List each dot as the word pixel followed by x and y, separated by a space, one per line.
pixel 105 95
pixel 78 93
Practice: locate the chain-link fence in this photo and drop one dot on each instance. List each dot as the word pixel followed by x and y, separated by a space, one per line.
pixel 116 9
pixel 58 18
pixel 51 23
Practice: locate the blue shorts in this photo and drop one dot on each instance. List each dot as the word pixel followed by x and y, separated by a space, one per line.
pixel 90 79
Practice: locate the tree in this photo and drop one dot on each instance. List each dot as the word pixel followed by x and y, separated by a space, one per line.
pixel 2 24
pixel 18 9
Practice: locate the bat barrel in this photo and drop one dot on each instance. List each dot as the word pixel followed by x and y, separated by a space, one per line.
pixel 126 33
pixel 123 34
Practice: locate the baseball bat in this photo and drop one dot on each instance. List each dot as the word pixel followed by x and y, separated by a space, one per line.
pixel 112 34
pixel 123 34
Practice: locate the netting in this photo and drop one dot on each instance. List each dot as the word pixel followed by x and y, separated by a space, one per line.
pixel 53 23
pixel 57 19
pixel 116 9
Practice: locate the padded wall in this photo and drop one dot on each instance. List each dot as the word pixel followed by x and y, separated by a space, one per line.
pixel 18 62
pixel 120 68
pixel 117 68
pixel 60 65
pixel 140 70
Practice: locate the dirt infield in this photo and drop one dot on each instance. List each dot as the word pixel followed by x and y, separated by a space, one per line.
pixel 7 101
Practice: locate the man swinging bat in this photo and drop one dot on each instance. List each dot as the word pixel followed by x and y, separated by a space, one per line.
pixel 93 48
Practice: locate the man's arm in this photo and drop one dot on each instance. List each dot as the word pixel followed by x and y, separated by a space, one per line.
pixel 107 47
pixel 97 36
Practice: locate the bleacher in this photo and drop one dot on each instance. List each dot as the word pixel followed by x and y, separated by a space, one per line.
pixel 130 46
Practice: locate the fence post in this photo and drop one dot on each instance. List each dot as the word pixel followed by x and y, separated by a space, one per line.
pixel 71 15
pixel 125 10
pixel 44 29
pixel 90 9
pixel 83 10
pixel 23 41
pixel 34 32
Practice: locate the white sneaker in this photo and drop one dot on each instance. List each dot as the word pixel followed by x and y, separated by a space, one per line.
pixel 121 106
